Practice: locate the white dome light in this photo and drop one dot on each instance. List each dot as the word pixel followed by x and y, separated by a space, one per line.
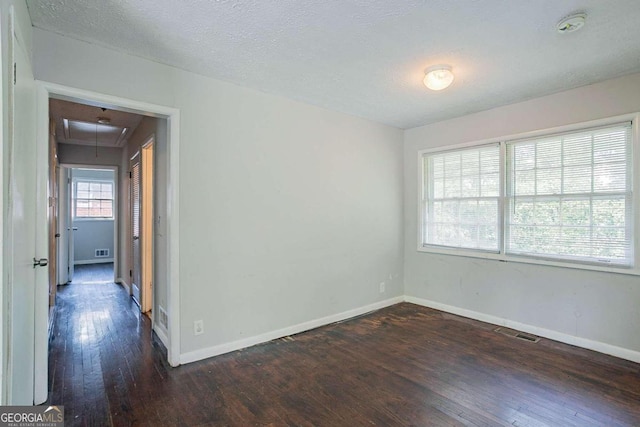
pixel 438 77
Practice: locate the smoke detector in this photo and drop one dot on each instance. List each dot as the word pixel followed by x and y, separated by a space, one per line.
pixel 571 23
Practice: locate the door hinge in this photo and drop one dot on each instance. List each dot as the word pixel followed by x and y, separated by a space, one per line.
pixel 15 74
pixel 130 175
pixel 130 273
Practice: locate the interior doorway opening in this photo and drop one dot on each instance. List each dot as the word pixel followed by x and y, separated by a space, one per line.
pixel 164 122
pixel 88 221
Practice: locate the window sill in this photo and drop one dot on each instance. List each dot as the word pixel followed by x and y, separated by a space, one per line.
pixel 470 253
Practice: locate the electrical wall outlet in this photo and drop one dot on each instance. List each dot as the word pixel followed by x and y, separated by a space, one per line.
pixel 198 327
pixel 383 287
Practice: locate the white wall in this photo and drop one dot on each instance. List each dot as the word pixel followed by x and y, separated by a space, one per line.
pixel 601 307
pixel 92 234
pixel 288 212
pixel 14 389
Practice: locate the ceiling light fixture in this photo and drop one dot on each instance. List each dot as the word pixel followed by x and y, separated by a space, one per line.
pixel 97 139
pixel 104 120
pixel 571 23
pixel 438 77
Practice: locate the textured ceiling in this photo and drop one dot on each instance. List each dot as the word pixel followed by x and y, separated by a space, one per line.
pixel 78 124
pixel 366 57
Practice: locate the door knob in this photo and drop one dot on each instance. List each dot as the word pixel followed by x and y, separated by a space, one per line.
pixel 42 262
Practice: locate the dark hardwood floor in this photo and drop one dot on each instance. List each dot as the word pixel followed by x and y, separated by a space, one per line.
pixel 401 366
pixel 93 273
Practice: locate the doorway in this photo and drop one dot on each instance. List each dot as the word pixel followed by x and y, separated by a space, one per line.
pixel 88 224
pixel 165 309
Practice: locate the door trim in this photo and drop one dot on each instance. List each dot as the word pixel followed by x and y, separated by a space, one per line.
pixel 116 207
pixel 46 90
pixel 147 261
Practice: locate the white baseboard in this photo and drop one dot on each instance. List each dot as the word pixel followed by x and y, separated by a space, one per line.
pixel 93 261
pixel 205 353
pixel 161 334
pixel 598 346
pixel 124 284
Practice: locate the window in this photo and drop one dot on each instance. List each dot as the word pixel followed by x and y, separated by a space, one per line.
pixel 461 198
pixel 569 196
pixel 566 198
pixel 93 199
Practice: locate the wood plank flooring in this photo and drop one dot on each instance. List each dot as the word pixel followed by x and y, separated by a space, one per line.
pixel 93 273
pixel 401 366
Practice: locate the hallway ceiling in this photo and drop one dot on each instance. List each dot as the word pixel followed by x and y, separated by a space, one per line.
pixel 78 124
pixel 367 58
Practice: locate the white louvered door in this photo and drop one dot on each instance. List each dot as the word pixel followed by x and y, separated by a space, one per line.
pixel 135 228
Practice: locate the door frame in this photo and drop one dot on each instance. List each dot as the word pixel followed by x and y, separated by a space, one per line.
pixel 147 260
pixel 116 209
pixel 46 90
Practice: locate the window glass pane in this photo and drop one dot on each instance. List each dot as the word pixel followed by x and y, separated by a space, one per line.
pixel 547 212
pixel 523 212
pixel 438 188
pixel 524 157
pixel 609 212
pixel 490 185
pixel 577 179
pixel 82 208
pixel 549 181
pixel 576 212
pixel 470 186
pixel 576 150
pixel 94 199
pixel 548 154
pixel 609 177
pixel 525 182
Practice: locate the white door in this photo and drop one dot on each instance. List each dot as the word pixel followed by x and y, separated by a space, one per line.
pixel 71 260
pixel 21 230
pixel 63 224
pixel 136 200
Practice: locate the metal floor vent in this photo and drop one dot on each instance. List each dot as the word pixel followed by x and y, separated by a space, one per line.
pixel 163 318
pixel 102 253
pixel 517 334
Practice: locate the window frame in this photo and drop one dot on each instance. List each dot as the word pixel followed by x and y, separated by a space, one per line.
pixel 501 256
pixel 75 199
pixel 499 199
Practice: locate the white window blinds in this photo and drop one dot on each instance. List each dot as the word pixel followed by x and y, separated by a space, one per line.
pixel 568 196
pixel 461 198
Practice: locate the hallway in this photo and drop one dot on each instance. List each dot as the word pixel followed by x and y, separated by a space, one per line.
pixel 102 361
